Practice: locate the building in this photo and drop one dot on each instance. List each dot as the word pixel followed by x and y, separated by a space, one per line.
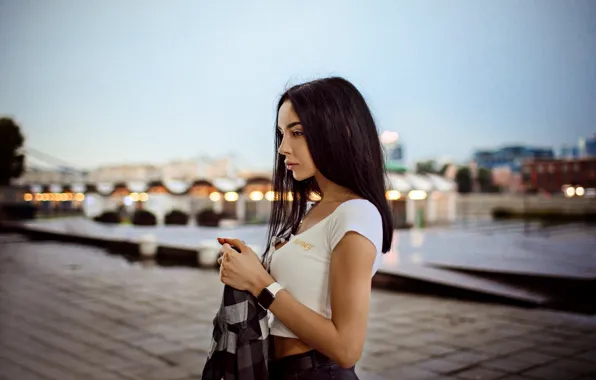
pixel 125 173
pixel 587 146
pixel 414 199
pixel 200 168
pixel 180 170
pixel 507 180
pixel 554 175
pixel 569 152
pixel 421 198
pixel 510 156
pixel 394 153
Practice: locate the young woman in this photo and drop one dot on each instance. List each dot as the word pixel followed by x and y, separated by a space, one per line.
pixel 320 262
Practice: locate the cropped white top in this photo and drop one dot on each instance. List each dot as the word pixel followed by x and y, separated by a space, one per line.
pixel 302 265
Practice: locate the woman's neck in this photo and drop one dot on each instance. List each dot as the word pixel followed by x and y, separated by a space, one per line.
pixel 332 192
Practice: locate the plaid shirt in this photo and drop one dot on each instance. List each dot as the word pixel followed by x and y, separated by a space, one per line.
pixel 240 348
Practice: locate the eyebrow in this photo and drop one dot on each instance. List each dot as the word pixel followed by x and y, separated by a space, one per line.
pixel 290 125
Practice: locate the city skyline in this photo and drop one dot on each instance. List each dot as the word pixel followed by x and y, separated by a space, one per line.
pixel 43 161
pixel 167 82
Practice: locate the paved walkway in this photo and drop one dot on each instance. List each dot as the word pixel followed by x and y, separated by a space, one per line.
pixel 73 312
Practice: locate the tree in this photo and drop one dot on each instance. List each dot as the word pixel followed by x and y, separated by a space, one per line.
pixel 464 180
pixel 485 181
pixel 426 167
pixel 444 169
pixel 12 161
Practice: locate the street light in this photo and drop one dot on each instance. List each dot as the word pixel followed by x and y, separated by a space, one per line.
pixel 231 196
pixel 256 195
pixel 392 195
pixel 570 192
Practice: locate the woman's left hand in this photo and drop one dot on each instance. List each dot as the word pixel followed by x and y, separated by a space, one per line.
pixel 242 270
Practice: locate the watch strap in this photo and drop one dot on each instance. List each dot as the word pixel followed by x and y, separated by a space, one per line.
pixel 274 288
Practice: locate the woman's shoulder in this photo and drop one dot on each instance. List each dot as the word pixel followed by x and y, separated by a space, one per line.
pixel 359 215
pixel 356 211
pixel 358 207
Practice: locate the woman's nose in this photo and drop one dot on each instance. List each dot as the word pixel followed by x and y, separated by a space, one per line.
pixel 284 148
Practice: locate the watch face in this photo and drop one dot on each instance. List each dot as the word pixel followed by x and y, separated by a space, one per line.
pixel 265 298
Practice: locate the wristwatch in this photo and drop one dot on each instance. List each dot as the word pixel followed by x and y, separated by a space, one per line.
pixel 267 295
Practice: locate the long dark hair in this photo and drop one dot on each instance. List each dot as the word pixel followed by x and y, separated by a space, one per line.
pixel 345 147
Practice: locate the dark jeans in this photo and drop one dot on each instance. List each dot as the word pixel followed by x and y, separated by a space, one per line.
pixel 311 365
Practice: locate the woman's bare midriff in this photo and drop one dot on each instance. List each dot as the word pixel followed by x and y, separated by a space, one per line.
pixel 288 346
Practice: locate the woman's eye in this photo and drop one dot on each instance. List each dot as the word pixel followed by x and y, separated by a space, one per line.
pixel 298 133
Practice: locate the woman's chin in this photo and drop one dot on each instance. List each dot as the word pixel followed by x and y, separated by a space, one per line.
pixel 300 176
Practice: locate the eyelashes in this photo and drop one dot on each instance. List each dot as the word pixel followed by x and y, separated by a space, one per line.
pixel 294 133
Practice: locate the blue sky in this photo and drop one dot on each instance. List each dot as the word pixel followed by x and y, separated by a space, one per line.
pixel 100 82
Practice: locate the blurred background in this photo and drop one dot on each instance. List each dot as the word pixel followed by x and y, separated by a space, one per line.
pixel 138 132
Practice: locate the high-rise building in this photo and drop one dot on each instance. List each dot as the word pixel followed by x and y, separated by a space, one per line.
pixel 587 146
pixel 584 148
pixel 510 156
pixel 569 152
pixel 394 153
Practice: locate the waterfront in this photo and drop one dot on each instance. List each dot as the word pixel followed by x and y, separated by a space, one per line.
pixel 508 262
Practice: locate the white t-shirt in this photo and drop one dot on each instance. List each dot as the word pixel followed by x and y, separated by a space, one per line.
pixel 302 265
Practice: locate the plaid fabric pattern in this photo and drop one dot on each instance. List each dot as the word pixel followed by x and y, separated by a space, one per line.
pixel 240 347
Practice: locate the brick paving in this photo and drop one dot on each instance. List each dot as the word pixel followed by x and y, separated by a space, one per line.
pixel 74 312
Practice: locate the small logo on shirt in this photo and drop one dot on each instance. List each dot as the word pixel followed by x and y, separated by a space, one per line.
pixel 303 244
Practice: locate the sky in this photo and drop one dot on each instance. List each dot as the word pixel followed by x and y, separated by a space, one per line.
pixel 106 82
